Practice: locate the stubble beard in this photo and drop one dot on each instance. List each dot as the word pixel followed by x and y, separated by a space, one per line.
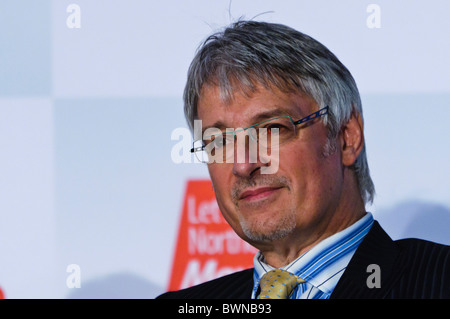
pixel 263 230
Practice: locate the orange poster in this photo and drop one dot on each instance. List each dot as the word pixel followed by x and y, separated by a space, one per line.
pixel 207 247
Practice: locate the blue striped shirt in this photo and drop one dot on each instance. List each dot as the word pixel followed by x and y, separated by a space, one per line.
pixel 323 265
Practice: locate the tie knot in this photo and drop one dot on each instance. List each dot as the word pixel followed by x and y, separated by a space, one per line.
pixel 278 284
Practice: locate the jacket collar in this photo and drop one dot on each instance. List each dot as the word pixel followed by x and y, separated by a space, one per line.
pixel 378 249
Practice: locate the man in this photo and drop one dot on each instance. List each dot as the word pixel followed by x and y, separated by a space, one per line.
pixel 307 217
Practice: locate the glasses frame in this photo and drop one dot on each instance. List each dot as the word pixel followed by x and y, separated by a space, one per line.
pixel 323 111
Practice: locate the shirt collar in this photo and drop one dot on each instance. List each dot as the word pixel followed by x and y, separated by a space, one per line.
pixel 322 265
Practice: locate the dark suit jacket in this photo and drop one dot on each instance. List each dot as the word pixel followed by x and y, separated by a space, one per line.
pixel 409 268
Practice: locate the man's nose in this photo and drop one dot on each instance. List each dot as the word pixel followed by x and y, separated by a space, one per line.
pixel 246 161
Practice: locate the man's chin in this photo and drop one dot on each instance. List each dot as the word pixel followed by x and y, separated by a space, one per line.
pixel 261 231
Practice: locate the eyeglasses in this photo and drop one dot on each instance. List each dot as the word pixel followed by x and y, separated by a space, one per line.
pixel 218 146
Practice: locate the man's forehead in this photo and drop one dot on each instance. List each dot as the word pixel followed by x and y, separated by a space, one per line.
pixel 262 104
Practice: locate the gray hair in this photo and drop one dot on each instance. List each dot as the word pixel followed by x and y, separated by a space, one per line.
pixel 248 53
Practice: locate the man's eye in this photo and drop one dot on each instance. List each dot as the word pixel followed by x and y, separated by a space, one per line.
pixel 218 141
pixel 276 127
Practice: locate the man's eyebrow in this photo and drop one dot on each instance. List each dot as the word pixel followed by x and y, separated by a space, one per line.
pixel 260 117
pixel 257 118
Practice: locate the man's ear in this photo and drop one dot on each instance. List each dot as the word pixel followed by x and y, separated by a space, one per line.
pixel 352 139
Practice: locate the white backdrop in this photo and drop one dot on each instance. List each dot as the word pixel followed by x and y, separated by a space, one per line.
pixel 88 103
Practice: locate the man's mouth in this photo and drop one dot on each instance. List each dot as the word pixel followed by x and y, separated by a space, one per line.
pixel 258 193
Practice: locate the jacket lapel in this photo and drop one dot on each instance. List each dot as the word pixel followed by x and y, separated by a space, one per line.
pixel 377 249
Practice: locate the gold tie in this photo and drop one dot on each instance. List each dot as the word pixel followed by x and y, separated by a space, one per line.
pixel 278 284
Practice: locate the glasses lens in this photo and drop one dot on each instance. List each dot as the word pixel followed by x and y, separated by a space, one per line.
pixel 218 148
pixel 275 131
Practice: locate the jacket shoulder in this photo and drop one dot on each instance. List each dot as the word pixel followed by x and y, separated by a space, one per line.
pixel 238 285
pixel 421 245
pixel 408 268
pixel 426 271
pixel 426 256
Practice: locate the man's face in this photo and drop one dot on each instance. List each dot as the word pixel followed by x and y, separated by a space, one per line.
pixel 297 200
